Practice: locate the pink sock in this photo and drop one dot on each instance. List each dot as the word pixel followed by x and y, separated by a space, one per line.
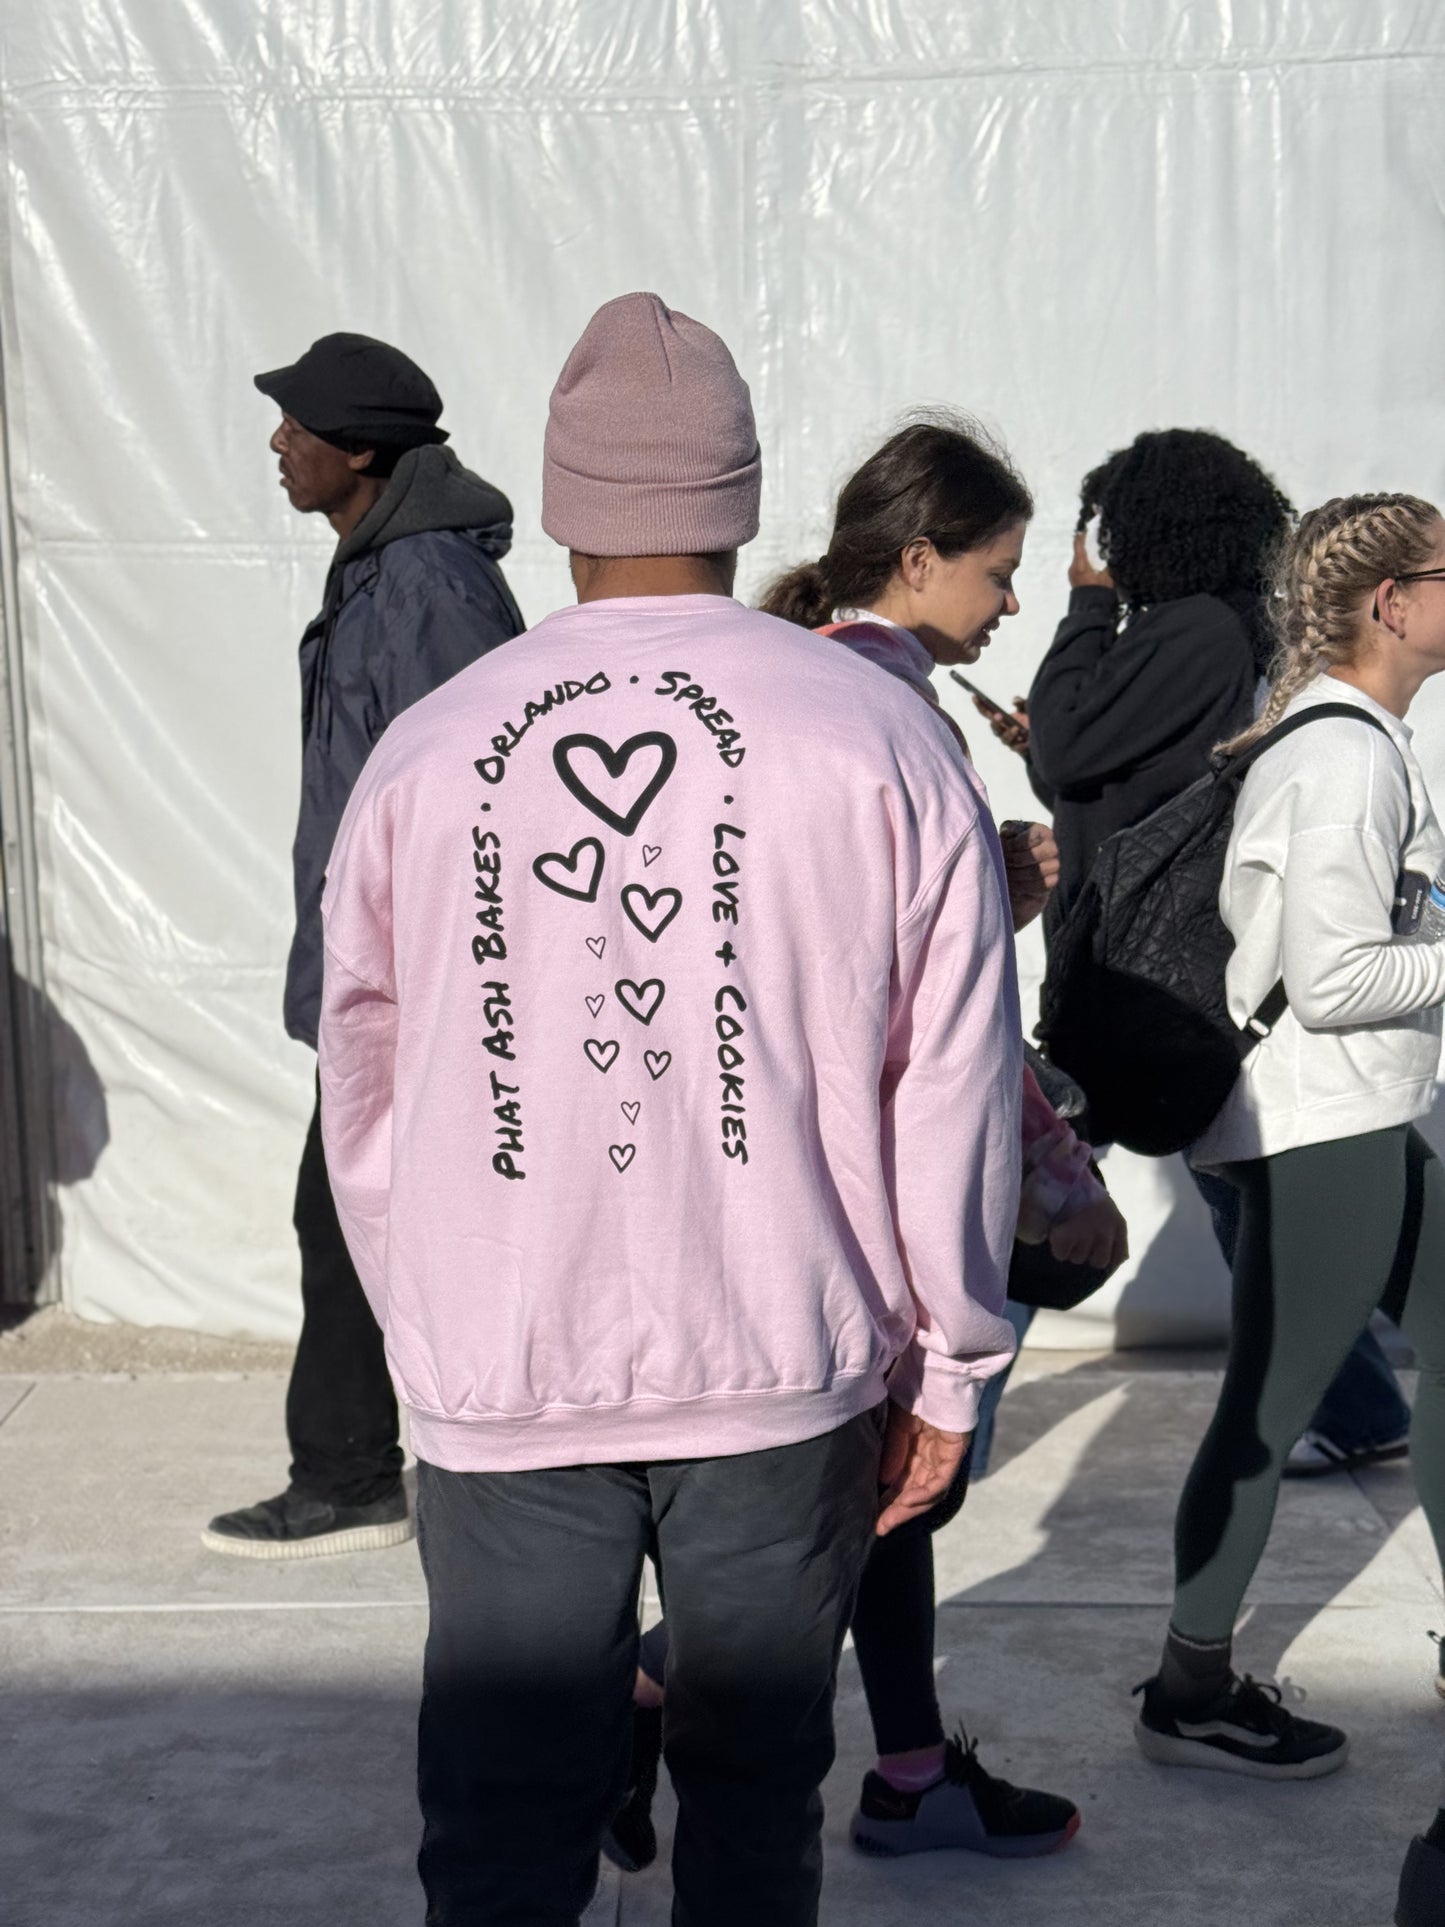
pixel 912 1772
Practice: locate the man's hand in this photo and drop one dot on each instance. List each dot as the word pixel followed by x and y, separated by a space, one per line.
pixel 1012 731
pixel 917 1468
pixel 1082 573
pixel 1031 861
pixel 1097 1235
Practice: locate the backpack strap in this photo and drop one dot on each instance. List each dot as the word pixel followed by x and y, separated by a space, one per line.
pixel 1263 1020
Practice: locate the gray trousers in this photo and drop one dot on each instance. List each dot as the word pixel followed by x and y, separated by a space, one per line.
pixel 532 1650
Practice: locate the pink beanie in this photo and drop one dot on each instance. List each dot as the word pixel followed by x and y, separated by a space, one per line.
pixel 651 445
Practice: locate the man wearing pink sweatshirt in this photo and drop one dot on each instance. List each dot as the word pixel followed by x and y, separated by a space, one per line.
pixel 670 1083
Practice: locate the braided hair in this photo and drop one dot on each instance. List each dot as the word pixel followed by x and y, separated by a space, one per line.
pixel 1337 555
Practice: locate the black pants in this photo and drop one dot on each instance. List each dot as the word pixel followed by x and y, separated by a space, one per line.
pixel 1327 1232
pixel 892 1630
pixel 532 1651
pixel 340 1407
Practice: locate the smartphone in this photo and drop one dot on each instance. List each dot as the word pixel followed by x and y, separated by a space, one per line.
pixel 990 706
pixel 1091 546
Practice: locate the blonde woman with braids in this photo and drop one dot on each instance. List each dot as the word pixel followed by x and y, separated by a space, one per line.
pixel 1343 1203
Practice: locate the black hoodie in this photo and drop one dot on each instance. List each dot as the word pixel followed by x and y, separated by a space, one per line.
pixel 1124 715
pixel 413 595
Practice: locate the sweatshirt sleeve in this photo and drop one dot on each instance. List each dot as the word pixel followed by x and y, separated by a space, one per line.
pixel 951 1122
pixel 357 1041
pixel 1341 962
pixel 1105 700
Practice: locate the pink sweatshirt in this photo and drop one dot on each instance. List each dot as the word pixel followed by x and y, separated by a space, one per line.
pixel 1057 1180
pixel 670 1048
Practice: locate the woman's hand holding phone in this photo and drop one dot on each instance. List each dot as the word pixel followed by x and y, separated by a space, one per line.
pixel 1031 862
pixel 1011 730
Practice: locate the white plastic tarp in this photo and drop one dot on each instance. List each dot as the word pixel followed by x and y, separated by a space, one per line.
pixel 1075 221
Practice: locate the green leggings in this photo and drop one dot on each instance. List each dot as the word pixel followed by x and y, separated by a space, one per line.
pixel 1327 1232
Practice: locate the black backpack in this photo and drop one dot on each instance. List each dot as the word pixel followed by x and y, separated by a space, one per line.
pixel 1133 1003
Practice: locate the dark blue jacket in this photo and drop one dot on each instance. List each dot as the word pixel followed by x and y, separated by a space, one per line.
pixel 413 595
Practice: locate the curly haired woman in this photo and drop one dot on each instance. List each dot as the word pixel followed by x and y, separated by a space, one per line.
pixel 1162 647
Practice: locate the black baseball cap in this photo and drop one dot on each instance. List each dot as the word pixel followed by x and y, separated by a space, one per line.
pixel 352 388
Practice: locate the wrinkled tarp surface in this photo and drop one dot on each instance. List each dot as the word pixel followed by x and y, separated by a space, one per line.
pixel 1074 221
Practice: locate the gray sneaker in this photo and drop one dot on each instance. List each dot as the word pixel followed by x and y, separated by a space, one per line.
pixel 292 1526
pixel 967 1808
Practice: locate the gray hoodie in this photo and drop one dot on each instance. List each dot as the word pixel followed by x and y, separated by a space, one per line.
pixel 413 595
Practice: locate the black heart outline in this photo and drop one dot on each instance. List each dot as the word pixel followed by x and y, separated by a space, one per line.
pixel 594 1004
pixel 597 945
pixel 630 1110
pixel 621 1156
pixel 615 761
pixel 569 863
pixel 629 1003
pixel 650 853
pixel 663 1058
pixel 610 1046
pixel 650 898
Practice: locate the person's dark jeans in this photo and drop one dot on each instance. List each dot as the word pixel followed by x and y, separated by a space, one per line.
pixel 1364 1406
pixel 532 1652
pixel 893 1623
pixel 341 1414
pixel 981 1448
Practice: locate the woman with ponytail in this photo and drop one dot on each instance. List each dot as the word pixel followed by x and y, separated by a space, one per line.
pixel 1343 1202
pixel 919 570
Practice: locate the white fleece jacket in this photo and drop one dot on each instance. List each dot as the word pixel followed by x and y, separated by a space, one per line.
pixel 1325 822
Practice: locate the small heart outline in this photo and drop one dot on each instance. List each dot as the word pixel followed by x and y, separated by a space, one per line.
pixel 598 1048
pixel 650 853
pixel 629 1111
pixel 569 864
pixel 662 1059
pixel 621 1155
pixel 646 920
pixel 632 996
pixel 597 945
pixel 594 1004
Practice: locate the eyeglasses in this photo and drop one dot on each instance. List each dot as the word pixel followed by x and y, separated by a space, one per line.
pixel 1409 575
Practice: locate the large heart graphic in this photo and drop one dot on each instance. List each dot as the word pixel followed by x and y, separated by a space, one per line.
pixel 641 1001
pixel 604 1056
pixel 644 913
pixel 657 1062
pixel 594 1004
pixel 587 781
pixel 629 1111
pixel 622 1154
pixel 551 868
pixel 597 945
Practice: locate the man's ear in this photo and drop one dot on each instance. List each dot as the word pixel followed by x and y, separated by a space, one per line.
pixel 362 460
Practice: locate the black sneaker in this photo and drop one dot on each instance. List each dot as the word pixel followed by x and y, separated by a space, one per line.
pixel 292 1526
pixel 1422 1886
pixel 631 1841
pixel 967 1808
pixel 1243 1729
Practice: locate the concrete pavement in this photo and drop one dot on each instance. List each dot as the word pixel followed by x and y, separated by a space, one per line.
pixel 191 1741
